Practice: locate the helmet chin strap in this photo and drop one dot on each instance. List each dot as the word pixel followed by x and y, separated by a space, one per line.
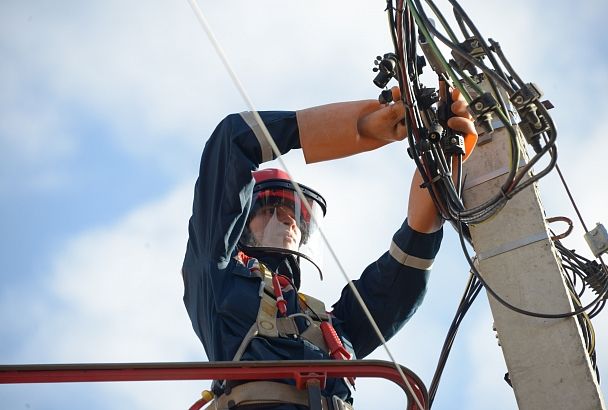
pixel 282 251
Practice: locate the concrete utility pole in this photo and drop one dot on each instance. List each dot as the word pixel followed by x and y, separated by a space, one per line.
pixel 547 360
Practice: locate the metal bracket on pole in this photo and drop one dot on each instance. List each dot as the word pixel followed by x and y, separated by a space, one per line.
pixel 509 246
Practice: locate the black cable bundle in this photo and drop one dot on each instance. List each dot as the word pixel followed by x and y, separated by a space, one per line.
pixel 439 153
pixel 433 146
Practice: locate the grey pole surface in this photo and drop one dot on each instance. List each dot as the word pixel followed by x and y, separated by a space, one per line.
pixel 547 360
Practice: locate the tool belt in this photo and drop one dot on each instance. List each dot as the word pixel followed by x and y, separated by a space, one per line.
pixel 272 393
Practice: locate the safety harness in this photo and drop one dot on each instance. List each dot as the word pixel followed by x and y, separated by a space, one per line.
pixel 272 321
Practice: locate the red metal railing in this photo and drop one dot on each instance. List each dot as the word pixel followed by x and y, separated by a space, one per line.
pixel 300 371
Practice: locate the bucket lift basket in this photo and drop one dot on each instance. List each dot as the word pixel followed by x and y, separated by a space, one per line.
pixel 304 373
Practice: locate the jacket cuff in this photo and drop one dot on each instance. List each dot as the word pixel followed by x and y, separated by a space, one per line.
pixel 282 126
pixel 415 249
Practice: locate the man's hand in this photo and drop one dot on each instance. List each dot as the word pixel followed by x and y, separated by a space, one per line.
pixel 385 123
pixel 463 122
pixel 342 129
pixel 422 213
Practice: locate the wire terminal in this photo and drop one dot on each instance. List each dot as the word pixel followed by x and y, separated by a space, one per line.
pixel 481 109
pixel 386 67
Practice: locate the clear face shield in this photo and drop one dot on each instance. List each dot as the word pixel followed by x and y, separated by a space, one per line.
pixel 279 220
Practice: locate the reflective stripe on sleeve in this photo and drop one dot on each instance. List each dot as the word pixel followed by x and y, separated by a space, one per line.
pixel 409 260
pixel 249 119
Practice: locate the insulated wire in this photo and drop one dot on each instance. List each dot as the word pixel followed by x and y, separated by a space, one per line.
pixel 514 187
pixel 514 308
pixel 472 289
pixel 503 59
pixel 479 37
pixel 510 187
pixel 204 23
pixel 391 22
pixel 442 20
pixel 457 49
pixel 487 209
pixel 413 118
pixel 446 66
pixel 461 25
pixel 408 33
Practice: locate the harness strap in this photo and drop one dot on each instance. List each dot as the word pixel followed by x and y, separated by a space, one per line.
pixel 287 326
pixel 314 335
pixel 269 393
pixel 269 325
pixel 262 392
pixel 315 306
pixel 267 317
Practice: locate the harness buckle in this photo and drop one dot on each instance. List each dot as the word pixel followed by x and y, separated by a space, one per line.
pixel 339 404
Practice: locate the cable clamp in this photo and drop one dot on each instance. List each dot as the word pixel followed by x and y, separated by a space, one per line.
pixel 482 104
pixel 526 95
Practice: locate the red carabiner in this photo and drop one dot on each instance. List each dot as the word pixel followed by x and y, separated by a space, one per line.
pixel 278 294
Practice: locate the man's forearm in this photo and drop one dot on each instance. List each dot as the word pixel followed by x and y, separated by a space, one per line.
pixel 342 129
pixel 330 131
pixel 422 215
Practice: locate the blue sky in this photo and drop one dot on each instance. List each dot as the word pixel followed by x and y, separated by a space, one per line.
pixel 104 110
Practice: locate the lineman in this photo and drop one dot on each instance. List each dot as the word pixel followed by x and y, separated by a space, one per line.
pixel 248 232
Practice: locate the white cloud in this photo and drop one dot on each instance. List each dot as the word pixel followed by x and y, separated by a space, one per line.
pixel 124 280
pixel 24 133
pixel 150 75
pixel 115 296
pixel 34 136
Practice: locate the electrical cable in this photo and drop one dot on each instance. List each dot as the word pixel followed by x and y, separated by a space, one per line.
pixel 463 28
pixel 487 209
pixel 510 188
pixel 464 54
pixel 458 8
pixel 471 292
pixel 438 170
pixel 472 289
pixel 514 308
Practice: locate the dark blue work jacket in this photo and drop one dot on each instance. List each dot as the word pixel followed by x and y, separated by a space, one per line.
pixel 222 296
